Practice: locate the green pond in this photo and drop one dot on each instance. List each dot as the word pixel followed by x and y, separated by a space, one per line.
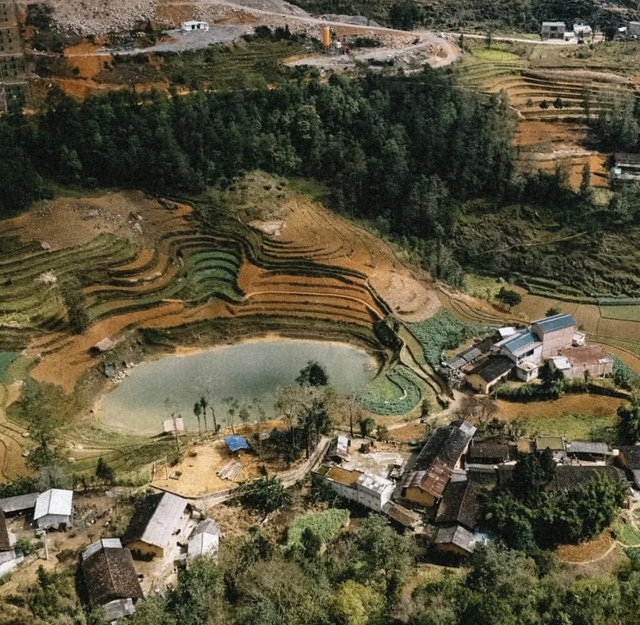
pixel 248 372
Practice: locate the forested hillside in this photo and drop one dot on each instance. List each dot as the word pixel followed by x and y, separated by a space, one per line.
pixel 399 151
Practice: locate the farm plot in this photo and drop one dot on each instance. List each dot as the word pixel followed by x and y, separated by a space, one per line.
pixel 396 392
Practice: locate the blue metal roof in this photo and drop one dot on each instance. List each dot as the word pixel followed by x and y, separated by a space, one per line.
pixel 236 442
pixel 521 340
pixel 557 322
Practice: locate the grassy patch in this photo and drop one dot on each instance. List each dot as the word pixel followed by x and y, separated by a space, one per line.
pixel 483 287
pixel 623 313
pixel 628 535
pixel 397 391
pixel 494 54
pixel 326 525
pixel 6 360
pixel 572 426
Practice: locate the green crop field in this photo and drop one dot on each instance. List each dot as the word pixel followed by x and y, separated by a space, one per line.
pixel 623 313
pixel 571 426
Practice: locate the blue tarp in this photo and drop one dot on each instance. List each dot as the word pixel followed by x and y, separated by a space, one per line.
pixel 236 442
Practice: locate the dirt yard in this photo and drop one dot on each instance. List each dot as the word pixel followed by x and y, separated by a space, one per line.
pixel 597 405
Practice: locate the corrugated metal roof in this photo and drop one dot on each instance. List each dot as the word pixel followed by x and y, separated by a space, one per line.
pixel 205 539
pixel 103 543
pixel 521 342
pixel 19 502
pixel 374 483
pixel 587 447
pixel 165 518
pixel 56 501
pixel 557 322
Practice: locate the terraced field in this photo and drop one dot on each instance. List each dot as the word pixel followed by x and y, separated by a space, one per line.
pixel 553 97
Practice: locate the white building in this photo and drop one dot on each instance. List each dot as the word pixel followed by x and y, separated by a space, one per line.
pixel 54 507
pixel 204 541
pixel 364 488
pixel 192 25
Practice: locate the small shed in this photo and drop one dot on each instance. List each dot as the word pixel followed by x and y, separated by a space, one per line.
pixel 488 373
pixel 54 507
pixel 170 426
pixel 19 503
pixel 455 539
pixel 236 442
pixel 193 25
pixel 204 541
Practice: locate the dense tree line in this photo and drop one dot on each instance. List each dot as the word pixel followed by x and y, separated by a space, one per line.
pixel 529 516
pixel 402 151
pixel 362 579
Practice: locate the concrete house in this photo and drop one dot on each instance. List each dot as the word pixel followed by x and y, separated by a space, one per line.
pixel 552 30
pixel 371 491
pixel 204 541
pixel 436 462
pixel 152 525
pixel 111 578
pixel 54 507
pixel 555 333
pixel 576 362
pixel 194 25
pixel 524 346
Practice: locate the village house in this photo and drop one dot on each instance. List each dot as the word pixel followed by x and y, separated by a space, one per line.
pixel 555 444
pixel 626 167
pixel 436 462
pixel 455 539
pixel 204 541
pixel 555 333
pixel 588 451
pixel 488 454
pixel 194 25
pixel 111 578
pixel 577 362
pixel 633 30
pixel 19 503
pixel 490 372
pixel 552 30
pixel 524 346
pixel 153 524
pixel 54 507
pixel 364 488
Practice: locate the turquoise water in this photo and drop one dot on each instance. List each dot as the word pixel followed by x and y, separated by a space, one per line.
pixel 246 372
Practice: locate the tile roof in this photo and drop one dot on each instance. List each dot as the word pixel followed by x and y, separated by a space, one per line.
pixel 587 447
pixel 400 514
pixel 109 574
pixel 570 477
pixel 488 451
pixel 631 456
pixel 455 535
pixel 492 368
pixel 460 504
pixel 557 322
pixel 103 543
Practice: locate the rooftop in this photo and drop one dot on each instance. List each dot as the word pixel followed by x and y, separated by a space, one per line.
pixel 204 540
pixel 19 502
pixel 484 451
pixel 561 363
pixel 460 504
pixel 455 535
pixel 631 456
pixel 446 443
pixel 344 476
pixel 553 23
pixel 103 543
pixel 570 477
pixel 589 354
pixel 554 443
pixel 587 447
pixel 373 483
pixel 154 519
pixel 557 322
pixel 55 502
pixel 520 343
pixel 492 368
pixel 400 514
pixel 109 574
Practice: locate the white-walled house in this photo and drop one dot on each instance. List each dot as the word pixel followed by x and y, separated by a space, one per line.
pixel 54 507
